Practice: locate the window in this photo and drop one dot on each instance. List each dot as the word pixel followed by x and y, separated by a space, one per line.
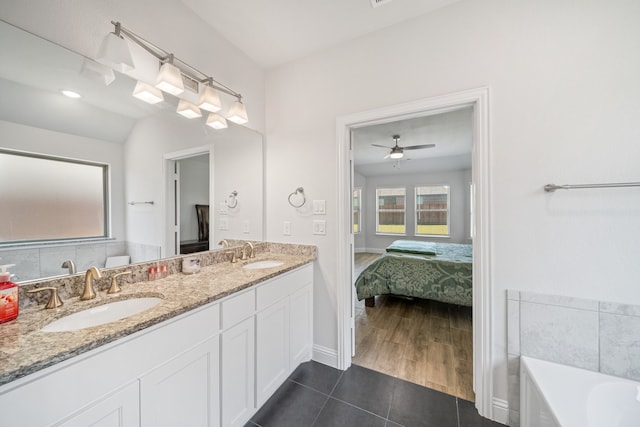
pixel 432 210
pixel 390 211
pixel 357 216
pixel 47 198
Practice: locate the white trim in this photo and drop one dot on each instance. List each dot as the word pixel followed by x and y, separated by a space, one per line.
pixel 482 267
pixel 325 355
pixel 501 411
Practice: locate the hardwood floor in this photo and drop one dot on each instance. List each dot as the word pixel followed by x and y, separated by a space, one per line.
pixel 422 341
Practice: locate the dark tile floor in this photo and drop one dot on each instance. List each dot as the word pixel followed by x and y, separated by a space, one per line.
pixel 317 395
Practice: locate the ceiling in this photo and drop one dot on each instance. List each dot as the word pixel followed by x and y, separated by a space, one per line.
pixel 278 31
pixel 452 132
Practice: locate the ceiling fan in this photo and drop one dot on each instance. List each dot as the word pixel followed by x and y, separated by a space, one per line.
pixel 397 151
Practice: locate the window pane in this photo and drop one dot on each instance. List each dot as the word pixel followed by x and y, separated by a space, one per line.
pixel 357 193
pixel 432 210
pixel 47 198
pixel 390 211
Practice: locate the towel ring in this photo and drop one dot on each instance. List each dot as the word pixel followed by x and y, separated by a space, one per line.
pixel 232 202
pixel 300 191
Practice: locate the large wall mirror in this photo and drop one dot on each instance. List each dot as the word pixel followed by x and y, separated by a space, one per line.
pixel 160 166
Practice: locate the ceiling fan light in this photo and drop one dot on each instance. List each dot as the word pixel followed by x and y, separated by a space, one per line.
pixel 114 52
pixel 188 110
pixel 396 155
pixel 210 99
pixel 216 121
pixel 170 79
pixel 238 113
pixel 147 93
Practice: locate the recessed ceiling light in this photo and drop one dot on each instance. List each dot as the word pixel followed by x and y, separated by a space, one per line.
pixel 70 93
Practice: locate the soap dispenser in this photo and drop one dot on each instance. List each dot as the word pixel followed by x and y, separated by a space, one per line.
pixel 8 296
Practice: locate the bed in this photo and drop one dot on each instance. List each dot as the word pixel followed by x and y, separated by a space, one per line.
pixel 436 271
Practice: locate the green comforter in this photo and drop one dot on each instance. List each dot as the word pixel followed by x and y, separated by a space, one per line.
pixel 445 277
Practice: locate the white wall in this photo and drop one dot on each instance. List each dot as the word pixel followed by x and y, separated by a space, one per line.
pixel 458 182
pixel 564 108
pixel 237 160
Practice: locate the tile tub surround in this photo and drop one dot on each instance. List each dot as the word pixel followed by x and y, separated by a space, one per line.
pixel 24 349
pixel 318 395
pixel 595 335
pixel 36 262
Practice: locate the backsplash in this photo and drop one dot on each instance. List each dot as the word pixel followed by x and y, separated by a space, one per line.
pixel 71 285
pixel 593 335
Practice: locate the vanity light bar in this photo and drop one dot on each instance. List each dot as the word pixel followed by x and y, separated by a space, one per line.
pixel 172 74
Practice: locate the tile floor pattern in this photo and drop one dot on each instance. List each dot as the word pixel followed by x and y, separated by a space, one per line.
pixel 316 395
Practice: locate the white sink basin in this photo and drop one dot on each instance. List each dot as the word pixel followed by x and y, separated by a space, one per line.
pixel 102 314
pixel 267 263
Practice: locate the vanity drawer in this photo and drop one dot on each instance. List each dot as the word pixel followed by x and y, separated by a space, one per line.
pixel 237 308
pixel 283 286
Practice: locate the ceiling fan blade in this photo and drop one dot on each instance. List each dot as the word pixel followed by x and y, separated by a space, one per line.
pixel 382 146
pixel 418 147
pixel 387 156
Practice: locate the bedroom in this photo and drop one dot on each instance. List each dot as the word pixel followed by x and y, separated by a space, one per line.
pixel 423 196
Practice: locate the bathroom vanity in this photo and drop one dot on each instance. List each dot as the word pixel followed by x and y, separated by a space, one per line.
pixel 210 354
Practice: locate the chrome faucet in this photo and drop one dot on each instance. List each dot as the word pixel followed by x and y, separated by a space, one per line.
pixel 70 265
pixel 244 251
pixel 89 292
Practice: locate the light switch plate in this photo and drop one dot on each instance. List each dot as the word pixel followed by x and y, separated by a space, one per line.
pixel 224 209
pixel 224 223
pixel 319 207
pixel 319 226
pixel 286 228
pixel 245 227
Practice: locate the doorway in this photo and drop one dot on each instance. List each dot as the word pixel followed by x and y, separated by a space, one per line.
pixel 478 100
pixel 418 197
pixel 188 194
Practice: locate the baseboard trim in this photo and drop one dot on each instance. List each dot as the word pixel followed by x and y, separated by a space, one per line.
pixel 325 355
pixel 500 411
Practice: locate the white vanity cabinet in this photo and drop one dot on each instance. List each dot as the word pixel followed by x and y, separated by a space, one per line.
pixel 103 387
pixel 212 366
pixel 238 359
pixel 120 409
pixel 284 332
pixel 185 390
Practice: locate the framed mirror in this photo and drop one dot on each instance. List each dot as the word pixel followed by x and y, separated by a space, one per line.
pixel 159 164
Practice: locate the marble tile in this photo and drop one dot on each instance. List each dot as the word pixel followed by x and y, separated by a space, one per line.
pixel 513 327
pixel 27 263
pixel 620 345
pixel 513 381
pixel 616 308
pixel 514 418
pixel 116 248
pixel 91 255
pixel 51 259
pixel 558 334
pixel 560 301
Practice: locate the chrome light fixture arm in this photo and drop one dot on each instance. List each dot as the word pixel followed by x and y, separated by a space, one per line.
pixel 164 56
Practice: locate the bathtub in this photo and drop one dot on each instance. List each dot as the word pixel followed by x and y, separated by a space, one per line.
pixel 554 395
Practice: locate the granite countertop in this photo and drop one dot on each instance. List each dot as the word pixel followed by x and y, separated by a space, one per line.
pixel 24 349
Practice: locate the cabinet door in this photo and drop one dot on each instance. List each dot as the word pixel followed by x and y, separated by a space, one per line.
pixel 301 330
pixel 272 349
pixel 120 409
pixel 185 390
pixel 238 373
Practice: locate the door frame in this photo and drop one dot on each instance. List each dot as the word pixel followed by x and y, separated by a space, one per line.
pixel 482 267
pixel 171 202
